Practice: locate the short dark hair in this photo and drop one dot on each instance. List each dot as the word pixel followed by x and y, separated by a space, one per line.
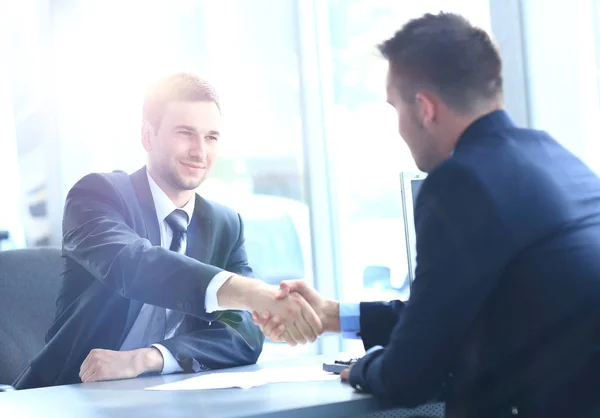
pixel 176 87
pixel 447 55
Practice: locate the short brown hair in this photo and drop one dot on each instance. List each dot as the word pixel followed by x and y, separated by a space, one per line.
pixel 447 55
pixel 176 87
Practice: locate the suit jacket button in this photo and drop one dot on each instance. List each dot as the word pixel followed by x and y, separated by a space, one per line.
pixel 180 304
pixel 359 387
pixel 514 410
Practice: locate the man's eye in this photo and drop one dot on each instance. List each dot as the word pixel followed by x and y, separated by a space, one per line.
pixel 184 133
pixel 212 138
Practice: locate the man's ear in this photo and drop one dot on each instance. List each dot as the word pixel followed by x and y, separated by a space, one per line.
pixel 147 135
pixel 427 106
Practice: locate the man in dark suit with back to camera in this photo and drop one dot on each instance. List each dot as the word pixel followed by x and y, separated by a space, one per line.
pixel 504 314
pixel 156 278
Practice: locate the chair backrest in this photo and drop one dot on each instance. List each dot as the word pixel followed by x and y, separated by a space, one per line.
pixel 29 283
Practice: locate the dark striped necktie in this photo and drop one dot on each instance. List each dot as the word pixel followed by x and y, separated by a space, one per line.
pixel 178 221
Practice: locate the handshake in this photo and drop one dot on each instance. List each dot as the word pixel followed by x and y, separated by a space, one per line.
pixel 295 312
pixel 306 316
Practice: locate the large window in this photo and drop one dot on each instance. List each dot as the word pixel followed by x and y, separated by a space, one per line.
pixel 368 152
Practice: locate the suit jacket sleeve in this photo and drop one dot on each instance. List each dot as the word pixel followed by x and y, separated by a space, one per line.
pixel 98 237
pixel 377 319
pixel 232 340
pixel 462 248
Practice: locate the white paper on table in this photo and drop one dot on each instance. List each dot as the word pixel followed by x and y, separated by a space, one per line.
pixel 247 380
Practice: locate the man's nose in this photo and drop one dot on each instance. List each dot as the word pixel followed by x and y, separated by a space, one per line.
pixel 199 148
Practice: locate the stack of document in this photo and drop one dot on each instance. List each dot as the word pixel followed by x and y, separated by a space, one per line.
pixel 247 380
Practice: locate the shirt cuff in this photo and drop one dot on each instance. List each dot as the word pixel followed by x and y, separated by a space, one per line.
pixel 373 349
pixel 170 365
pixel 211 303
pixel 350 320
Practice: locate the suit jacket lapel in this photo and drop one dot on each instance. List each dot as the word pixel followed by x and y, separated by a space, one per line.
pixel 200 232
pixel 139 180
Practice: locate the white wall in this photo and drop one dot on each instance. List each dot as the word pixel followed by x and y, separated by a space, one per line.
pixel 561 69
pixel 507 31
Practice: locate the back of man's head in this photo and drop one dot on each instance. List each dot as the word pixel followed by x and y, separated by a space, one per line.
pixel 184 87
pixel 448 56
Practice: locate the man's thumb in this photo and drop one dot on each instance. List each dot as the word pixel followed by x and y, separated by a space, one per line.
pixel 285 288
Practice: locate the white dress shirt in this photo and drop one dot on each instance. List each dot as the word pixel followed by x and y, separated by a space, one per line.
pixel 164 206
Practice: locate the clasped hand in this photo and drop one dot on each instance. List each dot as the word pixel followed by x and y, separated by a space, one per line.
pixel 279 325
pixel 296 321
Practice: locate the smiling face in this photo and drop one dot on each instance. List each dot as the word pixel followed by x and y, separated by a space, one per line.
pixel 182 149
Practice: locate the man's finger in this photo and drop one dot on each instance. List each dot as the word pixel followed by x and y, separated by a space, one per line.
pixel 86 362
pixel 82 371
pixel 86 377
pixel 305 328
pixel 345 374
pixel 277 333
pixel 312 319
pixel 95 377
pixel 288 338
pixel 296 333
pixel 260 320
pixel 271 324
pixel 86 365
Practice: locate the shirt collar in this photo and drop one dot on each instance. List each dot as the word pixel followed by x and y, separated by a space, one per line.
pixel 163 205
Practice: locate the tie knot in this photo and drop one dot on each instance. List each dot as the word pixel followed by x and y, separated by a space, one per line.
pixel 178 221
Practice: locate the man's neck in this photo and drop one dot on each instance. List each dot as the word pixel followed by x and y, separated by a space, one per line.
pixel 179 197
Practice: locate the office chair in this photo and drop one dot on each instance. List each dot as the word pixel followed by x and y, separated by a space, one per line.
pixel 29 283
pixel 4 236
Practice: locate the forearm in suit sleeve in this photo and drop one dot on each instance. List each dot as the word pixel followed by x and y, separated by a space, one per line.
pixel 232 340
pixel 377 319
pixel 97 236
pixel 462 248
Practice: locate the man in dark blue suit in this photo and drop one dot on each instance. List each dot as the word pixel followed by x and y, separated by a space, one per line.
pixel 504 313
pixel 156 278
